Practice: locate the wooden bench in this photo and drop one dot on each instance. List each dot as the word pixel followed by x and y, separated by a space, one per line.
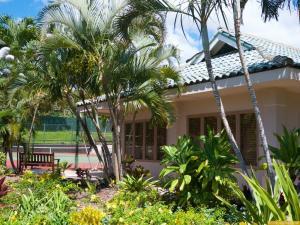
pixel 37 159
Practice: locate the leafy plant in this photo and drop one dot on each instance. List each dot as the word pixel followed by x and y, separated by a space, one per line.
pixel 288 151
pixel 278 204
pixel 144 208
pixel 3 187
pixel 87 216
pixel 198 172
pixel 62 167
pixel 53 208
pixel 131 183
pixel 136 171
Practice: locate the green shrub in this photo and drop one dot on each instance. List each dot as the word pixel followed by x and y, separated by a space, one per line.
pixel 288 151
pixel 197 173
pixel 135 171
pixel 143 208
pixel 53 208
pixel 267 206
pixel 87 216
pixel 132 183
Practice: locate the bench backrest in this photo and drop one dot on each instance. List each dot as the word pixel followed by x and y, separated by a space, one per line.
pixel 37 157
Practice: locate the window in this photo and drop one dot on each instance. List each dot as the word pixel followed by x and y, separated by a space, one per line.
pixel 139 140
pixel 147 140
pixel 161 141
pixel 194 127
pixel 248 138
pixel 210 122
pixel 243 127
pixel 129 139
pixel 232 124
pixel 149 148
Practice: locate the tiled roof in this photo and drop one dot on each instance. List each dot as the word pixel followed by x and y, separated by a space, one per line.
pixel 264 55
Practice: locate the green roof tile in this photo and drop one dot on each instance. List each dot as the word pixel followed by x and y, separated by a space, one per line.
pixel 259 58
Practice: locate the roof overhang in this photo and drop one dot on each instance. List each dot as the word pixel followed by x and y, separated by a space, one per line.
pixel 281 74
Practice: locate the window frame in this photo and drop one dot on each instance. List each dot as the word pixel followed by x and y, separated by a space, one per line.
pixel 155 147
pixel 237 127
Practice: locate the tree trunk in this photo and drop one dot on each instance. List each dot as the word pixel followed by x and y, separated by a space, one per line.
pixel 106 153
pixel 86 130
pixel 32 125
pixel 219 103
pixel 262 135
pixel 11 159
pixel 116 130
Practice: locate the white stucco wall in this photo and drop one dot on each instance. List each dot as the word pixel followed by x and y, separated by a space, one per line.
pixel 279 102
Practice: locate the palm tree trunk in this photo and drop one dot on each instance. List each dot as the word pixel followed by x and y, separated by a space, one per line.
pixel 217 96
pixel 262 135
pixel 87 131
pixel 106 153
pixel 32 125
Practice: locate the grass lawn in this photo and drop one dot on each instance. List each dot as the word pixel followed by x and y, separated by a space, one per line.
pixel 62 137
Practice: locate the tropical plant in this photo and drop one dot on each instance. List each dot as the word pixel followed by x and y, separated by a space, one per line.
pixel 237 13
pixel 53 208
pixel 110 59
pixel 270 8
pixel 132 170
pixel 288 151
pixel 196 172
pixel 200 12
pixel 3 187
pixel 137 184
pixel 278 204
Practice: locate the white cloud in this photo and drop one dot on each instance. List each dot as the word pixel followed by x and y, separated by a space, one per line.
pixel 188 46
pixel 286 30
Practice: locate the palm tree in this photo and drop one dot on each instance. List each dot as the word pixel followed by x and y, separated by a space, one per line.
pixel 237 12
pixel 92 31
pixel 17 35
pixel 134 78
pixel 270 8
pixel 199 11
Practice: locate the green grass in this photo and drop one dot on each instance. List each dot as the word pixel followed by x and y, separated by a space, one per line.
pixel 62 137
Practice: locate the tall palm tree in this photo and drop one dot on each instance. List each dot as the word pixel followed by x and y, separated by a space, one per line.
pixel 237 12
pixel 200 12
pixel 92 30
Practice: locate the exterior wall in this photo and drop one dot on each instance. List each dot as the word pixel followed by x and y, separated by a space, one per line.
pixel 279 106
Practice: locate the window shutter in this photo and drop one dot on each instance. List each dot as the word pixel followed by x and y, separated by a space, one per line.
pixel 248 138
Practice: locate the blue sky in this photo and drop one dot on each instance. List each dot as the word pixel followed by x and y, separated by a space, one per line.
pixel 20 8
pixel 286 30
